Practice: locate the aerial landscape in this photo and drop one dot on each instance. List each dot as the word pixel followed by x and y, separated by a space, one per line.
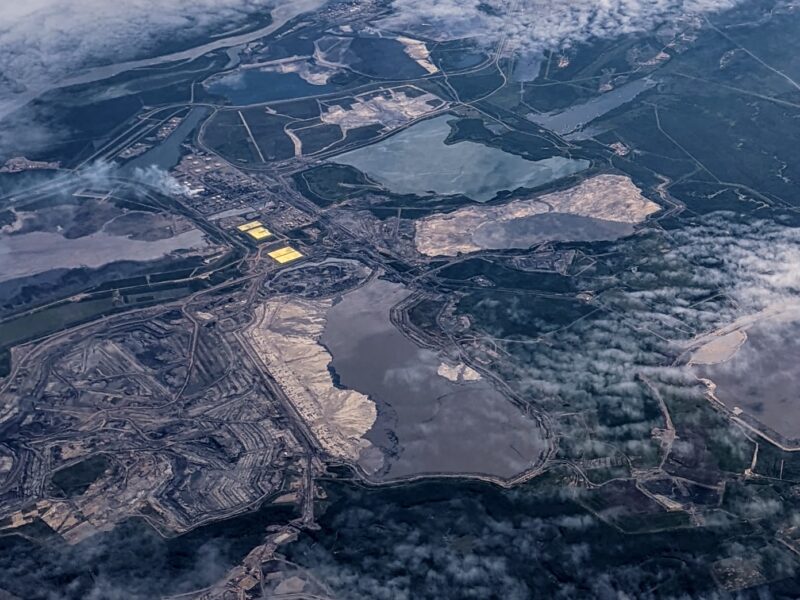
pixel 399 299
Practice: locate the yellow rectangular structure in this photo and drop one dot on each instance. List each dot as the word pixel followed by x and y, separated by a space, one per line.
pixel 285 254
pixel 250 225
pixel 259 233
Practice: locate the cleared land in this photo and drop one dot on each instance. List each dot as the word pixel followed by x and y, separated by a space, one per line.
pixel 459 372
pixel 389 108
pixel 286 336
pixel 608 204
pixel 419 161
pixel 719 349
pixel 418 51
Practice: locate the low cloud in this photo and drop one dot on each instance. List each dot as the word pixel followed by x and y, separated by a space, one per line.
pixel 42 40
pixel 48 43
pixel 533 26
pixel 467 546
pixel 671 287
pixel 132 562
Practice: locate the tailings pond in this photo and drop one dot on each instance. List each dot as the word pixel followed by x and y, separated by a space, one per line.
pixel 417 161
pixel 167 154
pixel 251 86
pixel 580 115
pixel 535 229
pixel 762 378
pixel 426 423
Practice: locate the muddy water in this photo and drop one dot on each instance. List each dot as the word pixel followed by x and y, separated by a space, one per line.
pixel 763 376
pixel 417 161
pixel 167 154
pixel 580 115
pixel 37 252
pixel 527 231
pixel 426 424
pixel 281 15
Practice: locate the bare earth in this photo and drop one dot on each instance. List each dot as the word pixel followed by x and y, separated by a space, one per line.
pixel 719 349
pixel 418 51
pixel 393 109
pixel 459 372
pixel 286 336
pixel 608 198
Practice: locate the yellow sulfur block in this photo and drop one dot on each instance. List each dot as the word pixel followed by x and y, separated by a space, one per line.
pixel 259 233
pixel 285 255
pixel 249 226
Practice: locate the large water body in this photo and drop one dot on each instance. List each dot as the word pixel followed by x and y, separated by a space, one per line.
pixel 417 161
pixel 579 115
pixel 28 254
pixel 762 378
pixel 281 14
pixel 252 86
pixel 167 154
pixel 426 424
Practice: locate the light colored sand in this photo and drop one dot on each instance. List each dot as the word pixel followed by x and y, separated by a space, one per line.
pixel 419 52
pixel 719 349
pixel 286 336
pixel 612 198
pixel 459 372
pixel 392 112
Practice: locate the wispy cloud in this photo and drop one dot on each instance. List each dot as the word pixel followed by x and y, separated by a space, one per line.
pixel 671 288
pixel 47 39
pixel 44 40
pixel 532 26
pixel 45 44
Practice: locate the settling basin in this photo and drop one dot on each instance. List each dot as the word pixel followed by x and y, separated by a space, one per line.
pixel 426 424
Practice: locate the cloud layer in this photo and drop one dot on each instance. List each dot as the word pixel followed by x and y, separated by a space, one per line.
pixel 671 287
pixel 44 40
pixel 532 26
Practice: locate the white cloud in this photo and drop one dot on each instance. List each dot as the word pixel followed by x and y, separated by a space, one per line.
pixel 531 26
pixel 673 286
pixel 46 44
pixel 43 41
pixel 49 37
